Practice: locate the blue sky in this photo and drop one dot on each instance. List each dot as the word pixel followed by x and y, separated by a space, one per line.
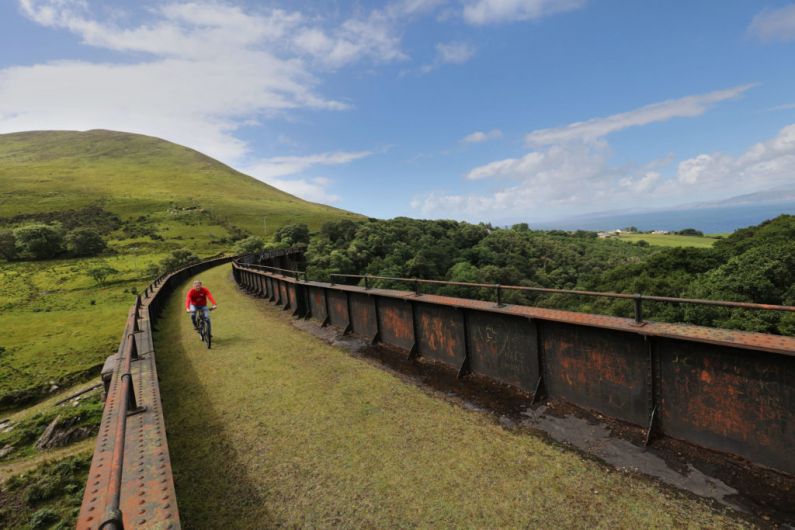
pixel 490 110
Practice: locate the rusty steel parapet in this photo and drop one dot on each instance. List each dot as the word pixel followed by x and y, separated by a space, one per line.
pixel 726 390
pixel 130 483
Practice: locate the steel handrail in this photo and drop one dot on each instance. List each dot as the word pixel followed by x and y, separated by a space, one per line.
pixel 636 298
pixel 295 273
pixel 113 516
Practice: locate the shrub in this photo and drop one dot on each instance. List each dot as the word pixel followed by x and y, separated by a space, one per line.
pixel 101 272
pixel 250 245
pixel 178 259
pixel 8 245
pixel 84 242
pixel 690 232
pixel 293 235
pixel 44 518
pixel 39 241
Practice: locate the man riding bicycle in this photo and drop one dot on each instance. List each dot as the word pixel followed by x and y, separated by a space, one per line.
pixel 197 301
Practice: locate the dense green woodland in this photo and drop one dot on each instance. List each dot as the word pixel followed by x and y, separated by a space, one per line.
pixel 755 264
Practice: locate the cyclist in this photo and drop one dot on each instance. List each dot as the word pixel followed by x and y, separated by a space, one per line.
pixel 197 301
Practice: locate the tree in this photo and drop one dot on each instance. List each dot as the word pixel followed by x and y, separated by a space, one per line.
pixel 101 272
pixel 690 232
pixel 250 245
pixel 178 259
pixel 39 241
pixel 8 245
pixel 293 235
pixel 84 242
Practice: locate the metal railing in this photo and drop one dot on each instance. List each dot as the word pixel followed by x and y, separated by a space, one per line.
pixel 284 272
pixel 126 395
pixel 637 298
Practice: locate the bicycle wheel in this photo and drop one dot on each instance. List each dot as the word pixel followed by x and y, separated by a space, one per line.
pixel 200 328
pixel 208 336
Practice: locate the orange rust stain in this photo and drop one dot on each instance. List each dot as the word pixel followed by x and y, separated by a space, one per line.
pixel 732 407
pixel 589 364
pixel 439 340
pixel 400 327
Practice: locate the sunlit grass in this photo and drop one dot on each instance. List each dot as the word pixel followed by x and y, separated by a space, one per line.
pixel 670 240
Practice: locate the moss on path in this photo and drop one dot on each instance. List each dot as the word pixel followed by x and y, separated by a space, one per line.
pixel 274 428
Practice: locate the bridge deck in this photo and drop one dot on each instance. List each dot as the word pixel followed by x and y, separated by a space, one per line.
pixel 273 427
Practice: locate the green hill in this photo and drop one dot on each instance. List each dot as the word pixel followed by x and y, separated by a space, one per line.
pixel 147 198
pixel 133 175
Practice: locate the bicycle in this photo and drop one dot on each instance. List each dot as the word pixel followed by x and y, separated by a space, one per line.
pixel 204 327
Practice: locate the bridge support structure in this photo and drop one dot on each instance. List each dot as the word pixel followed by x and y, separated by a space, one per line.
pixel 728 391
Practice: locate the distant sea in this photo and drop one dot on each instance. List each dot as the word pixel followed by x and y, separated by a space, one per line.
pixel 710 220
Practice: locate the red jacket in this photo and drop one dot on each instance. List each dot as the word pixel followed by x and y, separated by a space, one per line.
pixel 198 297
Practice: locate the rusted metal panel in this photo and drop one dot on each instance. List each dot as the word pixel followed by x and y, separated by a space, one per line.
pixel 598 369
pixel 395 322
pixel 729 400
pixel 298 294
pixel 363 319
pixel 338 308
pixel 284 294
pixel 292 296
pixel 271 289
pixel 317 303
pixel 440 333
pixel 504 348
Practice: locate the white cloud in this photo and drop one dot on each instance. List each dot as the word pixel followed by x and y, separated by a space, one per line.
pixel 311 189
pixel 194 73
pixel 774 24
pixel 570 170
pixel 641 183
pixel 480 136
pixel 784 106
pixel 374 37
pixel 596 128
pixel 289 165
pixel 496 11
pixel 449 53
pixel 763 165
pixel 274 170
pixel 454 52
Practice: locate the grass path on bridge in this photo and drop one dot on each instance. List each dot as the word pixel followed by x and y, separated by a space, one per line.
pixel 275 428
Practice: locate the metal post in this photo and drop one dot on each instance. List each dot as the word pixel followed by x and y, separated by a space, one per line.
pixel 499 295
pixel 366 286
pixel 638 309
pixel 416 287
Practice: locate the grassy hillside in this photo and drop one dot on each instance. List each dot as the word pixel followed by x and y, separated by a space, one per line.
pixel 133 175
pixel 148 197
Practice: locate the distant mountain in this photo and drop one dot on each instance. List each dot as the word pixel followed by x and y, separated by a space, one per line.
pixel 777 195
pixel 133 175
pixel 721 216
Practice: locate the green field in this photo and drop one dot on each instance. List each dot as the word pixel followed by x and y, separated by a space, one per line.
pixel 672 240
